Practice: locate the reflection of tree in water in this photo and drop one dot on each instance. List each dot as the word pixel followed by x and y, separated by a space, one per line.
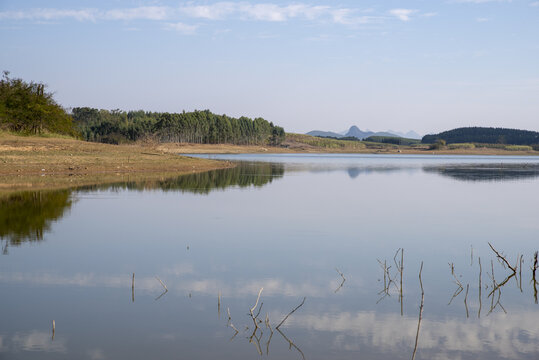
pixel 27 216
pixel 486 172
pixel 243 175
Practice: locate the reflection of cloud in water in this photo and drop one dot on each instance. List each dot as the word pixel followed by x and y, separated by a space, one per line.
pixel 272 286
pixel 502 334
pixel 36 341
pixel 96 354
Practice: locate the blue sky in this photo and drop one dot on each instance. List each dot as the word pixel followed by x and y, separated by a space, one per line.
pixel 422 65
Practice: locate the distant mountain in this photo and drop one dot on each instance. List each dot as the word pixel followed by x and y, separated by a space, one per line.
pixel 324 134
pixel 409 135
pixel 356 132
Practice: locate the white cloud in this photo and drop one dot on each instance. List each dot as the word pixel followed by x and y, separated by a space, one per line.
pixel 143 12
pixel 182 28
pixel 481 19
pixel 248 11
pixel 138 13
pixel 402 14
pixel 51 14
pixel 534 4
pixel 175 17
pixel 347 16
pixel 212 12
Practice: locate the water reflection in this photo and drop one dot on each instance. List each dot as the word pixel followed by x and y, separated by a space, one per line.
pixel 35 341
pixel 486 172
pixel 242 175
pixel 28 216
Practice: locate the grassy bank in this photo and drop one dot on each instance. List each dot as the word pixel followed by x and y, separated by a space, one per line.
pixel 50 162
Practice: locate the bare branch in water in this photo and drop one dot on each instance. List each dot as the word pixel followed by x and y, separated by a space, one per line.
pixel 466 300
pixel 534 269
pixel 256 304
pixel 162 284
pixel 501 257
pixel 290 343
pixel 420 312
pixel 290 313
pixel 480 299
pixel 343 280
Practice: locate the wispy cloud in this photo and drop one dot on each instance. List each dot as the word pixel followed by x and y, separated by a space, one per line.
pixel 138 13
pixel 402 14
pixel 261 12
pixel 481 19
pixel 534 4
pixel 177 18
pixel 143 12
pixel 51 14
pixel 182 28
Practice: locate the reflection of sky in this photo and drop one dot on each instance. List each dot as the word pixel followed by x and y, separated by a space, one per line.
pixel 498 333
pixel 287 237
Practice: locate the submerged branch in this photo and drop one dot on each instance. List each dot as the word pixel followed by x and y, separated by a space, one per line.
pixel 502 258
pixel 420 312
pixel 290 313
pixel 343 280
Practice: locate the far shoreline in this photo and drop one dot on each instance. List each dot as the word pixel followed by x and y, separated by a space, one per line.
pixel 188 148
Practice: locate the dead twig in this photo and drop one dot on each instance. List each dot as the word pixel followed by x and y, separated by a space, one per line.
pixel 420 312
pixel 290 313
pixel 343 280
pixel 501 257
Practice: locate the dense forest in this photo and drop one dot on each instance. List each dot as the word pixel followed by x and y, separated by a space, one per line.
pixel 194 127
pixel 484 135
pixel 28 108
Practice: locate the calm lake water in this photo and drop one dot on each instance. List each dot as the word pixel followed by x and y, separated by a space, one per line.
pixel 341 236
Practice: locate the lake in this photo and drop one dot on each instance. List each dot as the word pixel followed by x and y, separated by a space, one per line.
pixel 369 256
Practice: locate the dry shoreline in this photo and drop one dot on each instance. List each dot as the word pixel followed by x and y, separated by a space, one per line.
pixel 41 163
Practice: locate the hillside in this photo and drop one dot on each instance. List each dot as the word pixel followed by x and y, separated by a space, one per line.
pixel 485 135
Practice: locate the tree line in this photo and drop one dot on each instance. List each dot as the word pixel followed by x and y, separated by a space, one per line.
pixel 204 127
pixel 484 135
pixel 27 107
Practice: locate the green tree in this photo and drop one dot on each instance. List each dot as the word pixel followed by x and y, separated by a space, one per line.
pixel 27 107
